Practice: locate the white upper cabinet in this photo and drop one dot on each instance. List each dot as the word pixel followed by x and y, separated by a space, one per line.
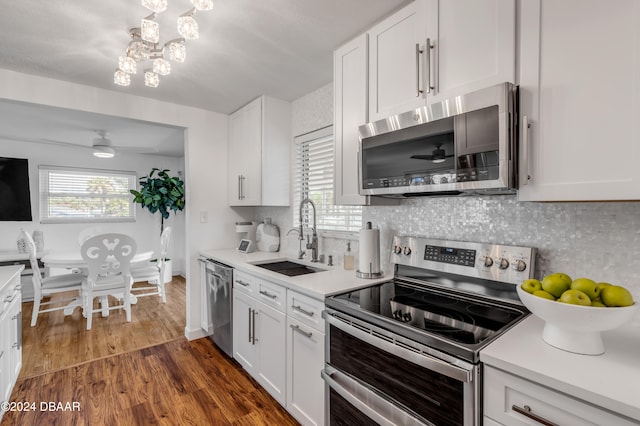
pixel 395 62
pixel 350 112
pixel 473 45
pixel 432 50
pixel 580 96
pixel 259 153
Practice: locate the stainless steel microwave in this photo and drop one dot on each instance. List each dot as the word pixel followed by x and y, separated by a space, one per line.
pixel 466 144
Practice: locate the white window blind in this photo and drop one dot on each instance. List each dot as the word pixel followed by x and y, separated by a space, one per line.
pixel 314 179
pixel 85 195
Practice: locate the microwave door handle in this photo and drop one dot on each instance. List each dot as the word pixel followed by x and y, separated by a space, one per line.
pixel 526 157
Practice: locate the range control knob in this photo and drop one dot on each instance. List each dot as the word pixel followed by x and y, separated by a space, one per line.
pixel 397 249
pixel 502 263
pixel 485 261
pixel 519 265
pixel 407 251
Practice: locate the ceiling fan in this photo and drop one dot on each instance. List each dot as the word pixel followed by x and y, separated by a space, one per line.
pixel 102 146
pixel 437 156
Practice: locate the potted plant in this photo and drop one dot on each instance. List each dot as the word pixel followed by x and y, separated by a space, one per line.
pixel 162 193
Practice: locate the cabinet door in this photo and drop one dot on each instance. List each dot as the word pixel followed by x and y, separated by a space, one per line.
pixel 474 45
pixel 15 317
pixel 305 360
pixel 244 347
pixel 580 94
pixel 245 155
pixel 350 112
pixel 396 66
pixel 5 356
pixel 271 336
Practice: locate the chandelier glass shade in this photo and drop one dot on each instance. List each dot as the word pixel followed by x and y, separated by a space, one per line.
pixel 145 46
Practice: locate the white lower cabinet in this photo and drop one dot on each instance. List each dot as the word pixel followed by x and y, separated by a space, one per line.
pixel 512 400
pixel 278 338
pixel 10 330
pixel 305 358
pixel 259 342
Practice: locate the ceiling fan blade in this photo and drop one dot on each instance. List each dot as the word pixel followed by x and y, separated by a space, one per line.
pixel 69 144
pixel 422 157
pixel 136 150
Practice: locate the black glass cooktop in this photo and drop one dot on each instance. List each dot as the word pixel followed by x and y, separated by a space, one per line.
pixel 448 315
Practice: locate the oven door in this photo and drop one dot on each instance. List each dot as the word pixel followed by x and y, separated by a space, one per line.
pixel 373 376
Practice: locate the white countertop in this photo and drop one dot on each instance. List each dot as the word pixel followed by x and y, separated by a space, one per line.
pixel 333 280
pixel 7 273
pixel 610 380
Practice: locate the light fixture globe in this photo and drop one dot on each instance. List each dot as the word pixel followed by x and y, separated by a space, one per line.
pixel 177 50
pixel 150 29
pixel 155 5
pixel 187 26
pixel 151 79
pixel 161 66
pixel 202 4
pixel 121 78
pixel 103 151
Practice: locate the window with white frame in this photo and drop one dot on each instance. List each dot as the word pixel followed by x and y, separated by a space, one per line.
pixel 86 195
pixel 314 179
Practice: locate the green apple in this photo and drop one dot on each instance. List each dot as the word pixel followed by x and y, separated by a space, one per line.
pixel 587 286
pixel 602 285
pixel 598 303
pixel 544 294
pixel 557 283
pixel 575 297
pixel 531 285
pixel 616 295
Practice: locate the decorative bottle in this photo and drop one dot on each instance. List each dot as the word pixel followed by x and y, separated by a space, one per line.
pixel 349 259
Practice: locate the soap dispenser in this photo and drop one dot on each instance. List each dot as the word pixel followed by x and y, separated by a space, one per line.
pixel 349 259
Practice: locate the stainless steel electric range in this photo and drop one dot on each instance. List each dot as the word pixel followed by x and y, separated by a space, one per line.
pixel 407 351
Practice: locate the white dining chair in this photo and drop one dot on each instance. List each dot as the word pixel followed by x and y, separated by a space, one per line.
pixel 153 272
pixel 46 286
pixel 108 258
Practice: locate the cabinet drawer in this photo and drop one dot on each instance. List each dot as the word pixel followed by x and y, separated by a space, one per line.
pixel 305 309
pixel 271 294
pixel 244 282
pixel 506 394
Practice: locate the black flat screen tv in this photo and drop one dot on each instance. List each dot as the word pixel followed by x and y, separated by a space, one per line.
pixel 15 197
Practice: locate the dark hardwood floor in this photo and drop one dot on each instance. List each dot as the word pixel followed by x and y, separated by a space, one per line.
pixel 136 373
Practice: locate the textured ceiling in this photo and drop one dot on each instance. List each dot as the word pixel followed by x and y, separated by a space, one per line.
pixel 247 48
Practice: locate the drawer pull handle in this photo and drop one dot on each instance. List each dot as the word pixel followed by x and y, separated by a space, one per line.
pixel 269 295
pixel 301 331
pixel 526 411
pixel 304 311
pixel 242 283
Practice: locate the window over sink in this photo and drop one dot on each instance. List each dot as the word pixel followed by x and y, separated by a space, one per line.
pixel 69 195
pixel 314 178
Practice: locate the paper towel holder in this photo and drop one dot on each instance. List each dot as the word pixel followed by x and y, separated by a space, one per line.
pixel 371 274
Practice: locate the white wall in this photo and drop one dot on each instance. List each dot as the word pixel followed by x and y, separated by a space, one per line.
pixel 205 161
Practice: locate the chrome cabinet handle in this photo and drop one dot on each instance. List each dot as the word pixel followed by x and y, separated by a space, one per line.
pixel 418 52
pixel 254 326
pixel 239 187
pixel 526 411
pixel 299 309
pixel 526 165
pixel 242 178
pixel 301 331
pixel 250 318
pixel 427 68
pixel 242 283
pixel 269 295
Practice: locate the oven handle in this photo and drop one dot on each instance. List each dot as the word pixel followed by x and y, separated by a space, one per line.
pixel 421 359
pixel 348 388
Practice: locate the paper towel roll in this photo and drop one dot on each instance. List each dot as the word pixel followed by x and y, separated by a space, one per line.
pixel 369 254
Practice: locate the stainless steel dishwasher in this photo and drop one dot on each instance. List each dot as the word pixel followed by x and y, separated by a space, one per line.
pixel 219 292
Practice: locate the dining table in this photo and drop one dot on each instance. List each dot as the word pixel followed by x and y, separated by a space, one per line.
pixel 73 260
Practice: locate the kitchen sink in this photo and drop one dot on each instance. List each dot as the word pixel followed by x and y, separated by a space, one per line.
pixel 289 268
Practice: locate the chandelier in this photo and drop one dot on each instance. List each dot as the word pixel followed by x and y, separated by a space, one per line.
pixel 145 47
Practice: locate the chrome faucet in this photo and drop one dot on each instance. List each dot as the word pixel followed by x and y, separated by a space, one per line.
pixel 313 243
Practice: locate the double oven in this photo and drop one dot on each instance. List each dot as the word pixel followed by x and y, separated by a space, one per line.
pixel 406 351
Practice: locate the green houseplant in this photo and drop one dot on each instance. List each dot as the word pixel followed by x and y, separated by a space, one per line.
pixel 160 192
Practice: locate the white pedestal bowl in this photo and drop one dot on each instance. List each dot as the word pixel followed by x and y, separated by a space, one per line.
pixel 575 328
